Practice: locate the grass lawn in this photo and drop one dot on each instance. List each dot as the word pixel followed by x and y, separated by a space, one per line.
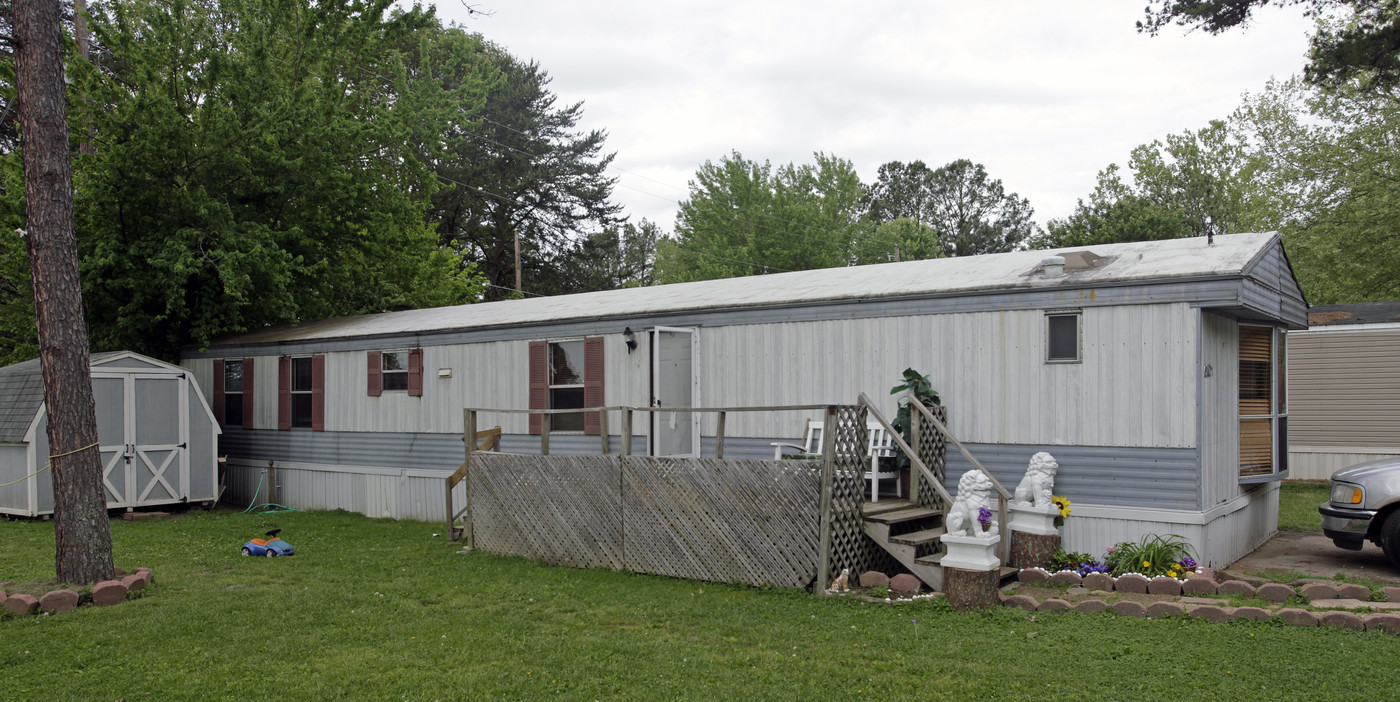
pixel 372 610
pixel 1297 505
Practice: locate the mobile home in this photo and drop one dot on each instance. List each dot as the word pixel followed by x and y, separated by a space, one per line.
pixel 1149 370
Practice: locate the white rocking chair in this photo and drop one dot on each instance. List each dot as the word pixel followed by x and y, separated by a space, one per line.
pixel 811 442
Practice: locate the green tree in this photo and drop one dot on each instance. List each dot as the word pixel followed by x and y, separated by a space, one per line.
pixel 1361 42
pixel 747 218
pixel 1332 159
pixel 517 173
pixel 256 164
pixel 1196 183
pixel 617 257
pixel 970 212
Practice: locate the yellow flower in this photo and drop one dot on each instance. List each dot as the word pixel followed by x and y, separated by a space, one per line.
pixel 1147 564
pixel 1172 573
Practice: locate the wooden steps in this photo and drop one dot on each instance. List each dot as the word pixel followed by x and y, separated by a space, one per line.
pixel 912 534
pixel 919 538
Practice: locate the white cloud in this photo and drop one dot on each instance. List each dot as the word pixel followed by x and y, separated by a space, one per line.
pixel 1044 94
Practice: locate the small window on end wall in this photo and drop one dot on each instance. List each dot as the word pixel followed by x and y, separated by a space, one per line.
pixel 1062 336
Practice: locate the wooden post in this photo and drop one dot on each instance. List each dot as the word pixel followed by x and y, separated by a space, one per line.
pixel 627 431
pixel 916 422
pixel 469 437
pixel 603 429
pixel 271 482
pixel 545 421
pixel 719 437
pixel 828 477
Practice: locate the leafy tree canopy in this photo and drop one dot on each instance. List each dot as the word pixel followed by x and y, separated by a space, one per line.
pixel 969 212
pixel 1355 39
pixel 747 218
pixel 1332 159
pixel 519 169
pixel 1196 183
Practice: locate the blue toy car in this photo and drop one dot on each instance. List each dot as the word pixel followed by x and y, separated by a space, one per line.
pixel 270 547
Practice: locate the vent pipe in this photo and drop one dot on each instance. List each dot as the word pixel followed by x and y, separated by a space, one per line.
pixel 1053 266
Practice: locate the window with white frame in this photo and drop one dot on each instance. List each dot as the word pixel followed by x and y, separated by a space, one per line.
pixel 1063 342
pixel 566 384
pixel 1263 404
pixel 301 392
pixel 233 393
pixel 394 370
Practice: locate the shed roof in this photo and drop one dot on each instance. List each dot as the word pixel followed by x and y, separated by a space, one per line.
pixel 1172 259
pixel 1360 313
pixel 21 394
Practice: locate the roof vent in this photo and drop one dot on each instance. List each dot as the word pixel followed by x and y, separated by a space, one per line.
pixel 1053 266
pixel 1075 260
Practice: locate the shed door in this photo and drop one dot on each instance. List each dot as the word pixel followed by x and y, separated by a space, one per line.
pixel 144 437
pixel 109 394
pixel 673 382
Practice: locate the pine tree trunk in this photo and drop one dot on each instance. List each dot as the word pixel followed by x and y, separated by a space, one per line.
pixel 83 535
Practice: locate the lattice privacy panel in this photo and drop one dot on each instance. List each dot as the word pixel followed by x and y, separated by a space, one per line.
pixel 932 448
pixel 742 521
pixel 562 510
pixel 850 547
pixel 753 522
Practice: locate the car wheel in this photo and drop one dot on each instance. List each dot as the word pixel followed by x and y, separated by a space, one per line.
pixel 271 553
pixel 1390 538
pixel 247 551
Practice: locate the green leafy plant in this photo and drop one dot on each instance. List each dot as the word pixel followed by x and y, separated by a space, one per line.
pixel 1152 555
pixel 918 386
pixel 879 593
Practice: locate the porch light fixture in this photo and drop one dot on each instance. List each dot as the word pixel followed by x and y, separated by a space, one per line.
pixel 630 338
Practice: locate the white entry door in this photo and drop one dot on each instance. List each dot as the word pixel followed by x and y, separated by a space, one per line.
pixel 674 384
pixel 144 437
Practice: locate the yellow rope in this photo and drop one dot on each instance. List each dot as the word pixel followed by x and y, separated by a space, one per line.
pixel 49 464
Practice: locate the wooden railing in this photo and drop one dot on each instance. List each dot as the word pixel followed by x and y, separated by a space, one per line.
pixel 490 441
pixel 924 414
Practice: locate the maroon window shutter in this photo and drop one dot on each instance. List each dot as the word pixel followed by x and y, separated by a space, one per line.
pixel 219 391
pixel 592 383
pixel 248 404
pixel 415 372
pixel 539 382
pixel 284 393
pixel 318 392
pixel 376 373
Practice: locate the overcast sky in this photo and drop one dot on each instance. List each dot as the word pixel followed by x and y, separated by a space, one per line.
pixel 1044 94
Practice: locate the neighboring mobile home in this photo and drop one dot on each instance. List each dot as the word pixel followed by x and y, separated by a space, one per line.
pixel 1148 369
pixel 156 435
pixel 1343 385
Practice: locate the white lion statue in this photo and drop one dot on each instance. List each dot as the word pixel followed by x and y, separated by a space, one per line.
pixel 974 495
pixel 1036 487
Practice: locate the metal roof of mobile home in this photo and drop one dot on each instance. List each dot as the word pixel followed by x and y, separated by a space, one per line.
pixel 1151 261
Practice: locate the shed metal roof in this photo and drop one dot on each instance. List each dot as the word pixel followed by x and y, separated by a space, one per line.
pixel 21 394
pixel 1172 259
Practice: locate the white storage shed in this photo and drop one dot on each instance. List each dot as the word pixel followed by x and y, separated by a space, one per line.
pixel 157 436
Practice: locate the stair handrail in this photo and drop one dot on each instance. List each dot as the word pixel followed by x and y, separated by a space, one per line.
pixel 1003 497
pixel 943 429
pixel 914 459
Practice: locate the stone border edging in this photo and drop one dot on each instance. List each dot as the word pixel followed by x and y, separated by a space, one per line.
pixel 1342 595
pixel 1200 584
pixel 104 594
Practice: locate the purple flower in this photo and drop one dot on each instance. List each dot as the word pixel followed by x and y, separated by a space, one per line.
pixel 1189 562
pixel 984 516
